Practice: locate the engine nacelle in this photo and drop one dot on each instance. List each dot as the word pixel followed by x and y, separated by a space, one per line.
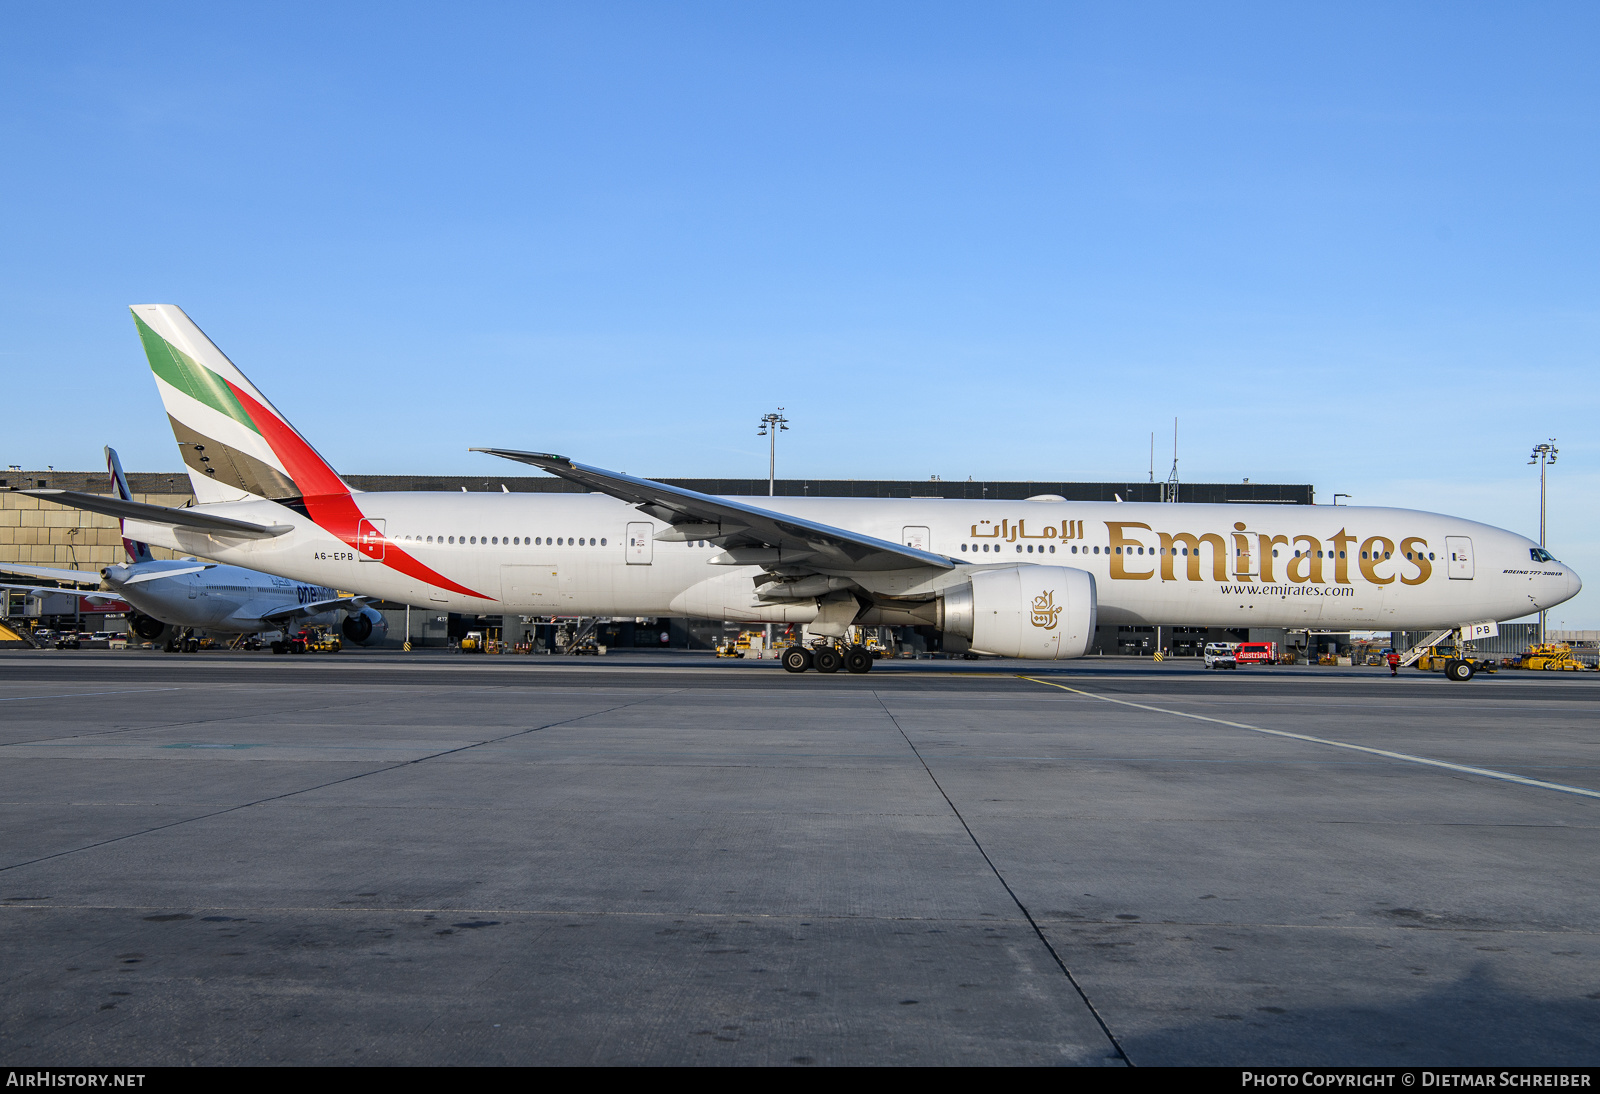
pixel 367 627
pixel 1044 612
pixel 147 627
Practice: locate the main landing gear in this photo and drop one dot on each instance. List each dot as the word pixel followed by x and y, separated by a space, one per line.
pixel 856 659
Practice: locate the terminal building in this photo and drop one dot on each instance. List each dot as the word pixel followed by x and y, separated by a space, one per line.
pixel 42 534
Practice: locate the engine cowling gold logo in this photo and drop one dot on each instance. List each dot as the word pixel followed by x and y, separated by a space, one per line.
pixel 1045 611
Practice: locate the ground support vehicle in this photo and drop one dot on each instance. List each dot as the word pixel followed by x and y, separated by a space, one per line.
pixel 1455 662
pixel 309 640
pixel 1220 655
pixel 1551 657
pixel 1256 653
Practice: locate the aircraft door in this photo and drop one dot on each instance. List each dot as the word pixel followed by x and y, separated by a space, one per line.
pixel 530 586
pixel 194 585
pixel 1459 548
pixel 369 539
pixel 641 543
pixel 914 536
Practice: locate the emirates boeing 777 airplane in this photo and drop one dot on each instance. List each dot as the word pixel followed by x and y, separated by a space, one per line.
pixel 1015 578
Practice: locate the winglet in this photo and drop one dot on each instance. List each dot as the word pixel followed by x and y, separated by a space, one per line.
pixel 536 459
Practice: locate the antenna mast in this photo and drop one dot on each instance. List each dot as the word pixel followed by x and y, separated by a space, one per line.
pixel 1170 490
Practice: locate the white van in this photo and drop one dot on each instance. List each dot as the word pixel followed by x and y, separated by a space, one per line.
pixel 1221 655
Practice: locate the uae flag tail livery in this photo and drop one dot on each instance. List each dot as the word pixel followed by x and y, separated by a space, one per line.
pixel 238 447
pixel 234 442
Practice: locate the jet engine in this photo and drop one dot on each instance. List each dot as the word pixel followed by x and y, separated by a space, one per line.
pixel 366 627
pixel 1023 611
pixel 147 627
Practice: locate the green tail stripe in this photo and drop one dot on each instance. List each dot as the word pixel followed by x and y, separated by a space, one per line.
pixel 190 376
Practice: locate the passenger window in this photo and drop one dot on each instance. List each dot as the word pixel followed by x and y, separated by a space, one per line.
pixel 963 548
pixel 602 541
pixel 1052 548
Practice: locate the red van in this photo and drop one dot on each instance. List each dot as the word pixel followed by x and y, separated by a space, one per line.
pixel 1256 653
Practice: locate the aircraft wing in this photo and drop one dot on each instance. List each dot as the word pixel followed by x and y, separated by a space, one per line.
pixel 747 533
pixel 290 612
pixel 158 514
pixel 83 577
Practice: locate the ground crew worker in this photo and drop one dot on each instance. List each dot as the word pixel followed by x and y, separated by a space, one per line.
pixel 1394 663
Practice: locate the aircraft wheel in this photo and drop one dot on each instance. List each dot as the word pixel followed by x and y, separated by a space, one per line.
pixel 277 647
pixel 826 659
pixel 796 659
pixel 857 660
pixel 1460 671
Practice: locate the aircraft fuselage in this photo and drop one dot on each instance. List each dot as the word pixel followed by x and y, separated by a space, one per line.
pixel 1322 567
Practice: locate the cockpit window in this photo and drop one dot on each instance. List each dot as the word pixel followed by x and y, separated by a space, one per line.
pixel 1539 554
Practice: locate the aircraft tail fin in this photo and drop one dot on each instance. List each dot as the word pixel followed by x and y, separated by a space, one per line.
pixel 234 442
pixel 137 552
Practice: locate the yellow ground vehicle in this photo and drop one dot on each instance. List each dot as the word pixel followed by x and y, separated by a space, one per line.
pixel 1551 657
pixel 1434 657
pixel 309 640
pixel 1437 659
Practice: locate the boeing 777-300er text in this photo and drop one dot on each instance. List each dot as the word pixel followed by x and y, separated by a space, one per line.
pixel 1015 578
pixel 172 599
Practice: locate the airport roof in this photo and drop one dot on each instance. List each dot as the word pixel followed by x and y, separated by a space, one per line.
pixel 177 482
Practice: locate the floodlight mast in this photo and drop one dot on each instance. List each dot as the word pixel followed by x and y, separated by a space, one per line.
pixel 1544 455
pixel 771 426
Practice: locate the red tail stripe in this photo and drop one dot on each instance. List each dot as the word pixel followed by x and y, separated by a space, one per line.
pixel 310 473
pixel 339 514
pixel 327 497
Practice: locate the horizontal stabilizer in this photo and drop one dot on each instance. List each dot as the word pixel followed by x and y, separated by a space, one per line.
pixel 46 590
pixel 50 573
pixel 156 575
pixel 159 514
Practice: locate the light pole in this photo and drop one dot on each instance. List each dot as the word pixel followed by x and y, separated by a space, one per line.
pixel 1544 455
pixel 771 425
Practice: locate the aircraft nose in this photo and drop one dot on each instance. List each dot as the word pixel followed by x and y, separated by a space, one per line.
pixel 1574 583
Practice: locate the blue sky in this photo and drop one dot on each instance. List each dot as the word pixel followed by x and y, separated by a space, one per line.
pixel 1347 245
